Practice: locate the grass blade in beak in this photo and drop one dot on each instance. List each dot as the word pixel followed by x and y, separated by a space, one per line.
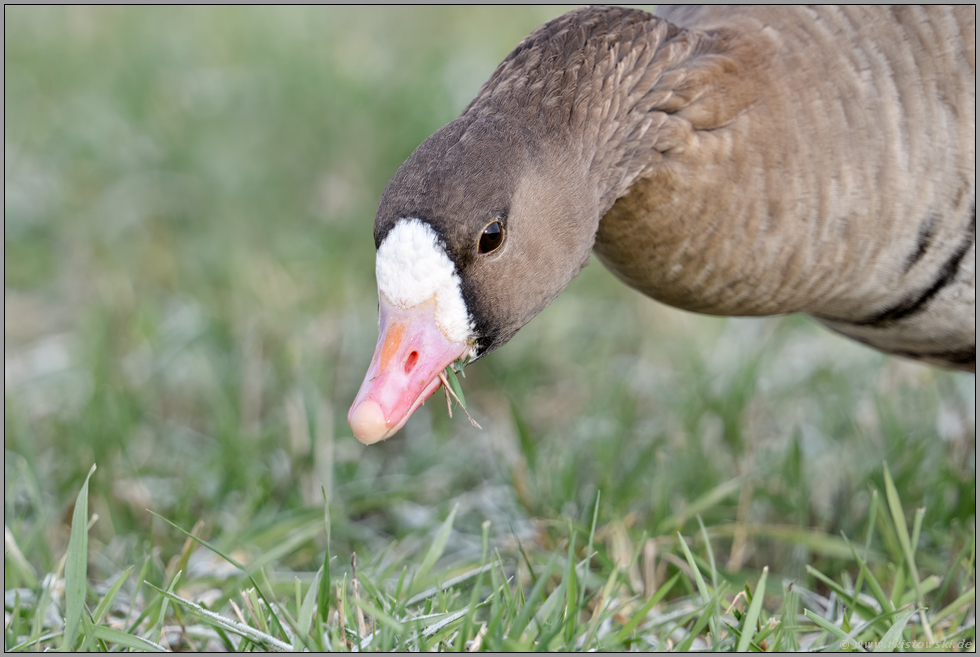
pixel 449 390
pixel 456 387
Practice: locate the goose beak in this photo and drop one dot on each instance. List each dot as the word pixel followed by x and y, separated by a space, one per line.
pixel 412 351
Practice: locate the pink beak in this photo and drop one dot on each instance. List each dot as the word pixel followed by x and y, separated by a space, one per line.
pixel 404 372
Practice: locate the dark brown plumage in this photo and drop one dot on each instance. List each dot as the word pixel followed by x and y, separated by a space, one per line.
pixel 725 160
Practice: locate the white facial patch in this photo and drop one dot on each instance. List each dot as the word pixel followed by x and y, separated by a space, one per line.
pixel 412 268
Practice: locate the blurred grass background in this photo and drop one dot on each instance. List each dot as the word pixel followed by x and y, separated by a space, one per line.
pixel 189 302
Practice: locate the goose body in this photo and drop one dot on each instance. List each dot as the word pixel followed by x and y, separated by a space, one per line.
pixel 731 161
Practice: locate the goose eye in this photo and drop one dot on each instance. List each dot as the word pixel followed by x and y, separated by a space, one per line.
pixel 492 238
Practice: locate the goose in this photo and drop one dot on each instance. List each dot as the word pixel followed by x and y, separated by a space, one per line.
pixel 731 161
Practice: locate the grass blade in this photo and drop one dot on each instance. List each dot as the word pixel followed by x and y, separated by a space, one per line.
pixel 711 554
pixel 454 382
pixel 588 550
pixel 323 594
pixel 702 587
pixel 956 604
pixel 872 517
pixel 436 549
pixel 16 559
pixel 250 633
pixel 380 616
pixel 707 613
pixel 520 623
pixel 953 567
pixel 645 609
pixel 898 517
pixel 601 604
pixel 305 620
pixel 748 627
pixel 20 647
pixel 110 595
pixel 571 591
pixel 711 613
pixel 226 557
pixel 894 634
pixel 448 620
pixel 230 560
pixel 715 630
pixel 917 528
pixel 128 640
pixel 826 625
pixel 76 565
pixel 876 590
pixel 449 583
pixel 851 640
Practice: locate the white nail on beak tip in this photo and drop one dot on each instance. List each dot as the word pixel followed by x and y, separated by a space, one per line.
pixel 368 422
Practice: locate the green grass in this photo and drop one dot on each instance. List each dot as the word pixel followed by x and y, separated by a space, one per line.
pixel 189 304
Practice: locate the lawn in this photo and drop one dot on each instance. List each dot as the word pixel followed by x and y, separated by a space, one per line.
pixel 190 306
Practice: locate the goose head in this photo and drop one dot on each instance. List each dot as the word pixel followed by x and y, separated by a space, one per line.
pixel 477 232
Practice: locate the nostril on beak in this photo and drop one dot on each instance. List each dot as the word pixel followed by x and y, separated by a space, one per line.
pixel 410 361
